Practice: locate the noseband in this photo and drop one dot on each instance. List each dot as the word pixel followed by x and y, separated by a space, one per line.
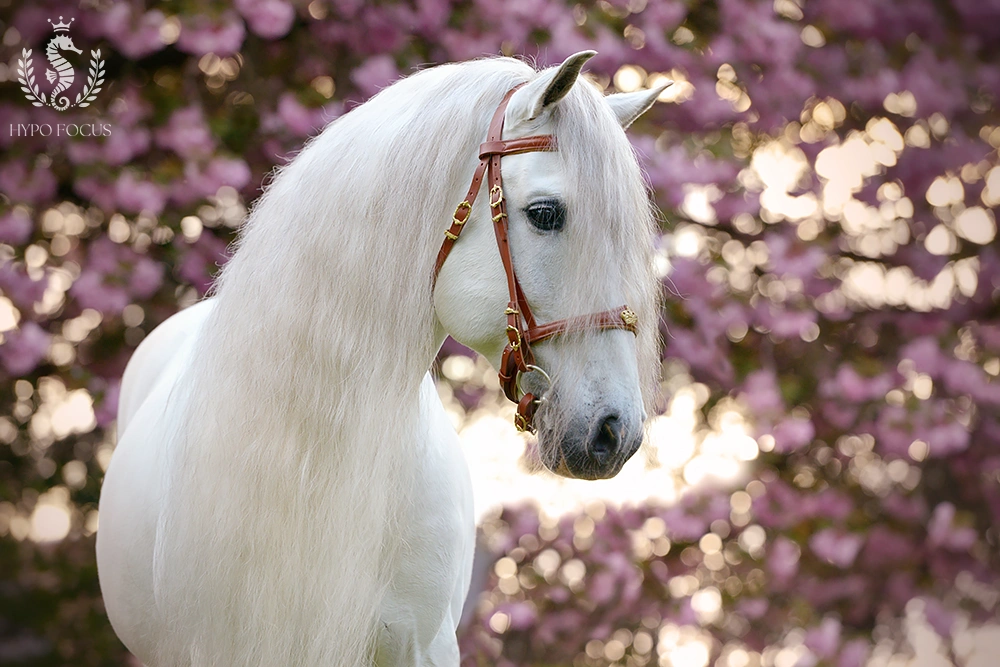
pixel 522 330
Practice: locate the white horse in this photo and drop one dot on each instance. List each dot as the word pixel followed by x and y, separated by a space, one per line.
pixel 287 488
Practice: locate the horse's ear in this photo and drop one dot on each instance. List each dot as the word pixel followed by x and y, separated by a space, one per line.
pixel 629 106
pixel 531 101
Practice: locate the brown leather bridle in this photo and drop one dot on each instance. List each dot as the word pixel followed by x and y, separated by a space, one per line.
pixel 522 330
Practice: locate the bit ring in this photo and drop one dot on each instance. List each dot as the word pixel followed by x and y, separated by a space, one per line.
pixel 531 369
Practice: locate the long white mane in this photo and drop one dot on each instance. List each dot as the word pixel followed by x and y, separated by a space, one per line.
pixel 305 383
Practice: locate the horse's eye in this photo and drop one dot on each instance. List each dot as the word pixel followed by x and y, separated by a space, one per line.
pixel 547 215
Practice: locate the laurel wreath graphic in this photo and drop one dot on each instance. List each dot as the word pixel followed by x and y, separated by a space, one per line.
pixel 95 79
pixel 26 77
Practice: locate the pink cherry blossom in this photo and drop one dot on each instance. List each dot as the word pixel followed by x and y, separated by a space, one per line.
pixel 34 186
pixel 134 195
pixel 186 133
pixel 762 394
pixel 21 288
pixel 850 385
pixel 854 653
pixel 787 260
pixel 269 19
pixel 222 35
pixel 792 433
pixel 24 348
pixel 824 640
pixel 15 227
pixel 106 405
pixel 134 36
pixel 836 547
pixel 201 260
pixel 116 275
pixel 376 73
pixel 298 119
pixel 942 532
pixel 783 560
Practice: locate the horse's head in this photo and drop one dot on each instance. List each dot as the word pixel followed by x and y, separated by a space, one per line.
pixel 580 236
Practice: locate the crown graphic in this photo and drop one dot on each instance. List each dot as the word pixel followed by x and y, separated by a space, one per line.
pixel 61 27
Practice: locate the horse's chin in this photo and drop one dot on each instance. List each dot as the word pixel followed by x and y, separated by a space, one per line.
pixel 554 458
pixel 563 470
pixel 560 467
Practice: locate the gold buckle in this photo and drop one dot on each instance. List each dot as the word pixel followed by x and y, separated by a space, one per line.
pixel 496 196
pixel 629 317
pixel 517 334
pixel 520 423
pixel 466 205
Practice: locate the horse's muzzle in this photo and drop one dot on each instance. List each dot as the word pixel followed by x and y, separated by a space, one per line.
pixel 599 453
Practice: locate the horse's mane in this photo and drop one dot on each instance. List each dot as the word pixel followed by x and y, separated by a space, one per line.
pixel 309 365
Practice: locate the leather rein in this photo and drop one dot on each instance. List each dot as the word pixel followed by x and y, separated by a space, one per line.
pixel 522 330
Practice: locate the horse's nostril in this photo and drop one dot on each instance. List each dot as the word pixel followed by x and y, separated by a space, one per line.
pixel 606 441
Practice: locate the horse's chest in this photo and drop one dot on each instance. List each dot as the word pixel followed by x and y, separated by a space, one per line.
pixel 435 544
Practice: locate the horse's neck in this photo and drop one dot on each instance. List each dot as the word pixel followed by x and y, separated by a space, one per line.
pixel 305 390
pixel 296 373
pixel 299 446
pixel 330 290
pixel 325 313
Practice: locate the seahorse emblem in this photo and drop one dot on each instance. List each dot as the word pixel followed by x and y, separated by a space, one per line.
pixel 61 72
